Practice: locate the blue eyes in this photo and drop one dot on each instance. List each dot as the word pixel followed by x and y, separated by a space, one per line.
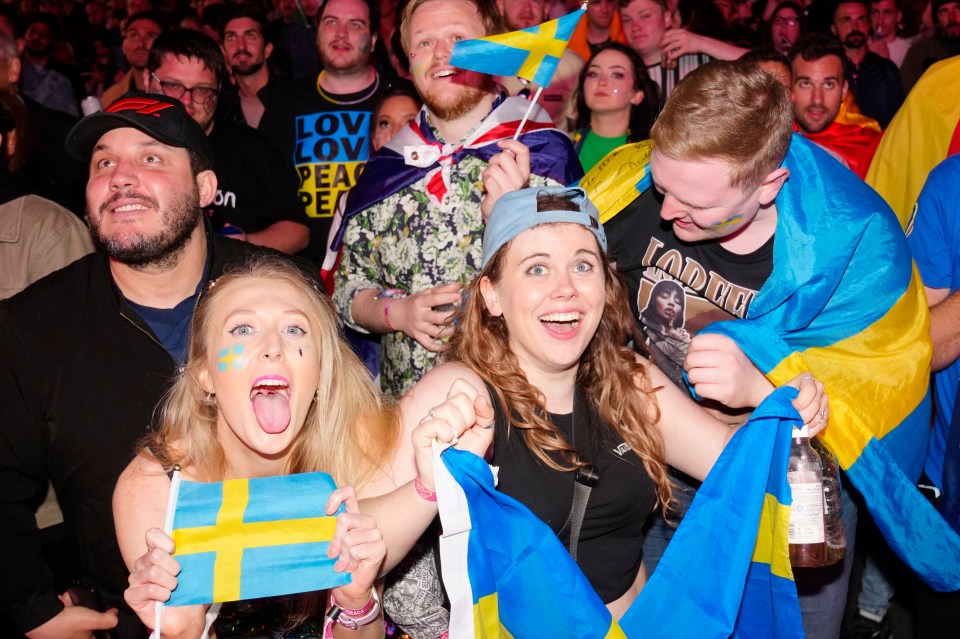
pixel 242 330
pixel 539 270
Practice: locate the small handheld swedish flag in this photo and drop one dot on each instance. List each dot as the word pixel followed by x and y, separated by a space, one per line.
pixel 531 54
pixel 250 538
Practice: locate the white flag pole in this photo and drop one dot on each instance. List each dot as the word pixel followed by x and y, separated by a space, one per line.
pixel 526 115
pixel 167 528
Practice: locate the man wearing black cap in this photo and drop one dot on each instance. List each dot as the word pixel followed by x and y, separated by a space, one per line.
pixel 87 352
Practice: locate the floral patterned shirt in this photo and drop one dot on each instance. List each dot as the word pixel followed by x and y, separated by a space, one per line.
pixel 407 242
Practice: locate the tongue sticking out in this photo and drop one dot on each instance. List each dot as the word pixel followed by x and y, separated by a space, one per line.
pixel 272 411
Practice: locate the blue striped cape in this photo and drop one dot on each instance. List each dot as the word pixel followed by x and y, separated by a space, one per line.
pixel 845 303
pixel 727 571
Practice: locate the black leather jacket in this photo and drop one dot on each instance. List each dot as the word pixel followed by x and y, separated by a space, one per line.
pixel 80 376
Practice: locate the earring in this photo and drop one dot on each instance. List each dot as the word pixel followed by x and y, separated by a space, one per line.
pixel 210 396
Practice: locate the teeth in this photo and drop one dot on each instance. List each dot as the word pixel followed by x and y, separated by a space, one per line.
pixel 444 73
pixel 561 317
pixel 130 207
pixel 272 382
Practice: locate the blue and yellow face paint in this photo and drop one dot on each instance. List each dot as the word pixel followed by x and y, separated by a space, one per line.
pixel 731 221
pixel 230 359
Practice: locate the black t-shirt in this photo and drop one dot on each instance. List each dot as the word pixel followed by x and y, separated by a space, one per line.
pixel 610 547
pixel 327 137
pixel 255 187
pixel 676 288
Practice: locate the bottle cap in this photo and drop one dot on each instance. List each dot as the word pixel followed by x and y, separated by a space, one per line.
pixel 803 431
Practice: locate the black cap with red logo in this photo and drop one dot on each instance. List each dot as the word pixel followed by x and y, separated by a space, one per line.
pixel 163 118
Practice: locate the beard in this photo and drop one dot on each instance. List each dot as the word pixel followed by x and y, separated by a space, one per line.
pixel 138 250
pixel 854 40
pixel 950 32
pixel 453 109
pixel 248 69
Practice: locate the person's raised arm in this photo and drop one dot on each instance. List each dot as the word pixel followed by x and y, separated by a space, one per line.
pixel 433 409
pixel 139 510
pixel 677 42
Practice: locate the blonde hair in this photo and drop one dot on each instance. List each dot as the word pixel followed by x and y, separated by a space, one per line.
pixel 617 385
pixel 729 111
pixel 486 9
pixel 348 431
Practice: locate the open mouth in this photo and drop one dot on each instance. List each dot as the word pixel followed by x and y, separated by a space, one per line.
pixel 561 323
pixel 270 396
pixel 446 73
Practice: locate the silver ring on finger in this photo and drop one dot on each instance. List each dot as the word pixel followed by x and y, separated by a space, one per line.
pixel 431 414
pixel 805 378
pixel 821 416
pixel 456 436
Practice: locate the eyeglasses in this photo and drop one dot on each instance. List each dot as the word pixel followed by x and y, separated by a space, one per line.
pixel 200 95
pixel 790 22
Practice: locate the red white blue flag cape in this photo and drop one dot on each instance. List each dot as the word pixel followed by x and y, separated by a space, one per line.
pixel 415 152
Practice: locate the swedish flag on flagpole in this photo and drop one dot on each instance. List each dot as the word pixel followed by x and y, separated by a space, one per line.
pixel 531 54
pixel 250 538
pixel 726 573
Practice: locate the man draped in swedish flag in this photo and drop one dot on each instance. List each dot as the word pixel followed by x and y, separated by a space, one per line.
pixel 781 260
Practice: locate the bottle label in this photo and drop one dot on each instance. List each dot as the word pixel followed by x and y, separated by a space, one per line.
pixel 806 514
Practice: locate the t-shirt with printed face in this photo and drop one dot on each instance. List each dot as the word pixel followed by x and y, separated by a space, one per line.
pixel 677 288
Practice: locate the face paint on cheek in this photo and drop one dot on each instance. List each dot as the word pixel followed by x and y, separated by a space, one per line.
pixel 301 351
pixel 730 221
pixel 229 359
pixel 416 66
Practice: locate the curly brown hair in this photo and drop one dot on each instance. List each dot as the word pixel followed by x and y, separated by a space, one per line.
pixel 617 383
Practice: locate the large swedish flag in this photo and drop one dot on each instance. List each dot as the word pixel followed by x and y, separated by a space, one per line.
pixel 531 54
pixel 845 303
pixel 726 572
pixel 250 538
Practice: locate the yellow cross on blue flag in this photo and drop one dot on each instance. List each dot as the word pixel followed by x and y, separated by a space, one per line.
pixel 531 54
pixel 725 574
pixel 250 538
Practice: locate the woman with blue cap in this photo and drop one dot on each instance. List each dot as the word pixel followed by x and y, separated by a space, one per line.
pixel 542 363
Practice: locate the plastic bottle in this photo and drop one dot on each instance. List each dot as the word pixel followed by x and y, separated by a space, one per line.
pixel 836 534
pixel 806 531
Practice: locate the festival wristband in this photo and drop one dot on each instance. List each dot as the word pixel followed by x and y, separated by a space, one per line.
pixel 423 491
pixel 386 315
pixel 389 294
pixel 352 618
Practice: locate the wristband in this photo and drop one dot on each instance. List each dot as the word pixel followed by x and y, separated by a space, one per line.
pixel 390 294
pixel 353 618
pixel 386 315
pixel 423 491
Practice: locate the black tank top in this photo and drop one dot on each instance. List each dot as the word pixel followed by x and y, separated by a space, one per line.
pixel 611 539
